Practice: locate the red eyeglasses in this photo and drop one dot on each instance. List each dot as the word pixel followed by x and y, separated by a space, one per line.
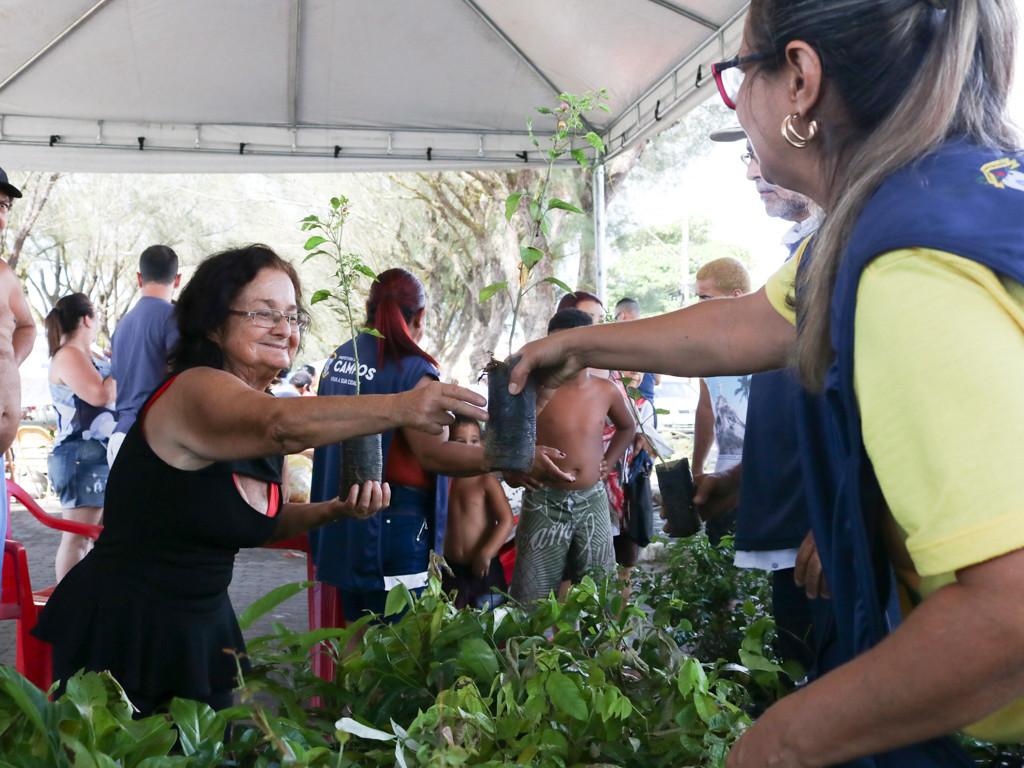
pixel 729 76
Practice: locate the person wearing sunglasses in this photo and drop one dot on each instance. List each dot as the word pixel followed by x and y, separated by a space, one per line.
pixel 909 314
pixel 200 474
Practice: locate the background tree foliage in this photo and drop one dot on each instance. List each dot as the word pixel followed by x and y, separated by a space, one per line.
pixel 657 266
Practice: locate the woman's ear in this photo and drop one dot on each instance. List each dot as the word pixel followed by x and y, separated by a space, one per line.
pixel 803 67
pixel 419 320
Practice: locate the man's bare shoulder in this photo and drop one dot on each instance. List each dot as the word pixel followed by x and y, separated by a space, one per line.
pixel 8 280
pixel 606 387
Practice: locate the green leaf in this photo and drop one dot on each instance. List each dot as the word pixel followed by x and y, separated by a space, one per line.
pixel 580 157
pixel 399 598
pixel 559 283
pixel 535 212
pixel 756 661
pixel 566 696
pixel 193 721
pixel 595 141
pixel 530 256
pixel 362 268
pixel 544 110
pixel 322 295
pixel 511 204
pixel 335 203
pixel 490 290
pixel 480 658
pixel 707 706
pixel 661 411
pixel 314 242
pixel 372 332
pixel 269 601
pixel 556 203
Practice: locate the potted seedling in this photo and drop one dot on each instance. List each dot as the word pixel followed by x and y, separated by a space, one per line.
pixel 512 430
pixel 675 479
pixel 361 458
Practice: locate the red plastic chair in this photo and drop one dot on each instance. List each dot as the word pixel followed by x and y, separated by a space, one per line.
pixel 17 602
pixel 17 598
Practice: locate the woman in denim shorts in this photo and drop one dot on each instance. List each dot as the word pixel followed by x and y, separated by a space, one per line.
pixel 83 393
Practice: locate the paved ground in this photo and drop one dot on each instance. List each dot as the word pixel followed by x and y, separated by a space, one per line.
pixel 257 571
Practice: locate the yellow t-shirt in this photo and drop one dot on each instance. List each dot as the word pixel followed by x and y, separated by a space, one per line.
pixel 939 364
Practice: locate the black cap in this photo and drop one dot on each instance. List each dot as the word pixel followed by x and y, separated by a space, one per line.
pixel 6 186
pixel 734 133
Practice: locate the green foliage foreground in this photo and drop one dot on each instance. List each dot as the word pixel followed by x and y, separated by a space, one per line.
pixel 588 681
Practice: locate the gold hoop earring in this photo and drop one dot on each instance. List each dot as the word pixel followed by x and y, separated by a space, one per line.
pixel 790 134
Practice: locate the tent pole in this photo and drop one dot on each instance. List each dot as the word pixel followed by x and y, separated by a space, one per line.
pixel 46 49
pixel 600 246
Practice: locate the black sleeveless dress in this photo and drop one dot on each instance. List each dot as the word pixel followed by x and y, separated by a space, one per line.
pixel 150 601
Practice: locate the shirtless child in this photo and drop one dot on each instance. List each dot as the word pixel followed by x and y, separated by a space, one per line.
pixel 568 524
pixel 479 522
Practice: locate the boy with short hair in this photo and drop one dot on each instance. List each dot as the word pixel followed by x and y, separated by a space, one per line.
pixel 479 523
pixel 568 524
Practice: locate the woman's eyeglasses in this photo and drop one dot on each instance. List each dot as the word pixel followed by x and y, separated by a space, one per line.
pixel 729 76
pixel 269 318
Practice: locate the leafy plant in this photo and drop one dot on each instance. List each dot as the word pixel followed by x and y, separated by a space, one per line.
pixel 715 610
pixel 348 266
pixel 570 126
pixel 91 724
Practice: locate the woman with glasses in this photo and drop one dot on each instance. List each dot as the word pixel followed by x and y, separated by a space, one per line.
pixel 365 558
pixel 892 115
pixel 200 475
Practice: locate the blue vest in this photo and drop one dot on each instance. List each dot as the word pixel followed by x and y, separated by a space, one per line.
pixel 960 199
pixel 773 505
pixel 347 552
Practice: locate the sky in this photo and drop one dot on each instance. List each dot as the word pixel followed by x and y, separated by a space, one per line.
pixel 716 186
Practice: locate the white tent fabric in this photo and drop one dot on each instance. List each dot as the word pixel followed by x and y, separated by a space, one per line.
pixel 338 85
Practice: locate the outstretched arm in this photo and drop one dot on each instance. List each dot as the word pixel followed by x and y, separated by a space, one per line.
pixel 208 415
pixel 712 338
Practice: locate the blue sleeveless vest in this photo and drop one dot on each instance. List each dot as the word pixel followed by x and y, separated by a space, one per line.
pixel 337 547
pixel 773 503
pixel 960 199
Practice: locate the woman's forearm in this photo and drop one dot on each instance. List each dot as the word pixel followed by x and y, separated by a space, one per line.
pixel 956 659
pixel 713 338
pixel 296 519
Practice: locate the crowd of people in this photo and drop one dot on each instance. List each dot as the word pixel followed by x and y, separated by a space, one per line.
pixel 878 127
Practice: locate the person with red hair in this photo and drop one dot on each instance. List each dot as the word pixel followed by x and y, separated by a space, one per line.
pixel 364 559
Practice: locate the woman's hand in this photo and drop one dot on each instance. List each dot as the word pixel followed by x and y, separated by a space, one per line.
pixel 550 357
pixel 429 408
pixel 362 503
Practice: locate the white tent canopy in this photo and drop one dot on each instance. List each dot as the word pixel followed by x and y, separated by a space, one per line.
pixel 338 85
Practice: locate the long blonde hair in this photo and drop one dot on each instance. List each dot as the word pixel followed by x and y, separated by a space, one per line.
pixel 911 74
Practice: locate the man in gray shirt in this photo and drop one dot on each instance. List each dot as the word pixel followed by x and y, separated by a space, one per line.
pixel 143 339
